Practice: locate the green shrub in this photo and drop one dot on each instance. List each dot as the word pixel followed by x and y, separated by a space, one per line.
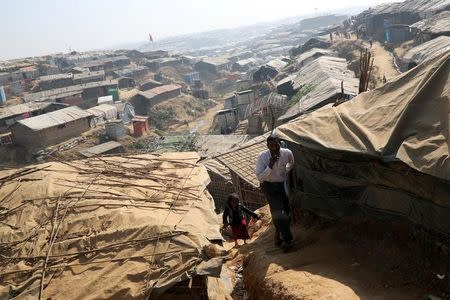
pixel 160 118
pixel 304 90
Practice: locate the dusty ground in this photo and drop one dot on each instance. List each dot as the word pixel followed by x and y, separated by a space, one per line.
pixel 177 111
pixel 336 261
pixel 201 124
pixel 383 63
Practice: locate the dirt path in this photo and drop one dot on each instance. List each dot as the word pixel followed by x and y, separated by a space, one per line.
pixel 383 63
pixel 333 262
pixel 200 125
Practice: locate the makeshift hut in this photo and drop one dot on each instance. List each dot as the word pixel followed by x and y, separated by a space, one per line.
pixel 13 113
pixel 425 51
pixel 54 81
pixel 311 55
pixel 221 185
pixel 269 70
pixel 149 84
pixel 312 43
pixel 82 78
pixel 269 107
pixel 213 64
pixel 323 81
pixel 125 111
pixel 144 101
pixel 50 128
pixel 242 163
pixel 126 82
pixel 433 26
pixel 384 154
pixel 125 227
pixel 101 114
pixel 378 20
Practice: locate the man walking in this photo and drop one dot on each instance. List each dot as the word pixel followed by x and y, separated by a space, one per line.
pixel 271 169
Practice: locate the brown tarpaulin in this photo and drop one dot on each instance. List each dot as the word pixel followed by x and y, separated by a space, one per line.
pixel 124 227
pixel 384 154
pixel 406 119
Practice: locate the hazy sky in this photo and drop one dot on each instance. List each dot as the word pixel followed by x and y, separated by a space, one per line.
pixel 37 27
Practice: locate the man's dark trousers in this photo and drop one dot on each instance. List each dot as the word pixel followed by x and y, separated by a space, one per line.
pixel 279 208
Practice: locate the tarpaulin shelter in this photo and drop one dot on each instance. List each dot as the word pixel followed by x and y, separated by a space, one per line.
pixel 385 153
pixel 424 52
pixel 124 227
pixel 102 113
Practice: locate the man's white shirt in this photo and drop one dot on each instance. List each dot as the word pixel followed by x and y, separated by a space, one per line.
pixel 279 170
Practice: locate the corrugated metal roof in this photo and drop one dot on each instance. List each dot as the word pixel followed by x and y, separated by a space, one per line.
pixel 19 109
pixel 89 75
pixel 54 118
pixel 275 101
pixel 99 149
pixel 28 69
pixel 55 77
pixel 324 76
pixel 416 6
pixel 105 99
pixel 130 71
pixel 314 52
pixel 160 90
pixel 101 109
pixel 216 60
pixel 80 69
pixel 102 61
pixel 277 64
pixel 213 145
pixel 428 50
pixel 66 91
pixel 436 24
pixel 247 61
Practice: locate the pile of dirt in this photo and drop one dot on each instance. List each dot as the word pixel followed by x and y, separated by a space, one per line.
pixel 343 261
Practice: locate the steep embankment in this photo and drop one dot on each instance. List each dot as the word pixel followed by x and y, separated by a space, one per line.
pixel 178 111
pixel 341 261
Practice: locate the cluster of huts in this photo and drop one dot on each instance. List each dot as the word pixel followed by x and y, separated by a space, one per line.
pixel 425 23
pixel 381 154
pixel 80 92
pixel 357 155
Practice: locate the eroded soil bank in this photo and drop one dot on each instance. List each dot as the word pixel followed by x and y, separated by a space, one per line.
pixel 344 260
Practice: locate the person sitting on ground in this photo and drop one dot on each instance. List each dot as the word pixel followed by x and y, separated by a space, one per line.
pixel 234 215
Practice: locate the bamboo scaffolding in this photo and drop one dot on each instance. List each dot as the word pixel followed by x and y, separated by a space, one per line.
pixel 365 69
